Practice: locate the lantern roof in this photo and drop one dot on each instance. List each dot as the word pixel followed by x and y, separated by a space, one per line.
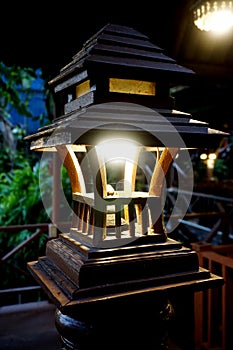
pixel 119 82
pixel 124 48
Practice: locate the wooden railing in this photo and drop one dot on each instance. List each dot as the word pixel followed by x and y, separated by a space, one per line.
pixel 37 230
pixel 209 218
pixel 213 308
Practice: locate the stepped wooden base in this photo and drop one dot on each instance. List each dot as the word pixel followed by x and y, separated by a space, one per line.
pixel 88 284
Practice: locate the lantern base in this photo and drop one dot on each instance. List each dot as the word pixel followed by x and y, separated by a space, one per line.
pixel 126 325
pixel 114 290
pixel 72 272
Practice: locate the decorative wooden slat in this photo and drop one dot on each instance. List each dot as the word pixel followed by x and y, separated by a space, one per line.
pixel 81 216
pixel 145 218
pixel 86 218
pixel 75 218
pixel 131 219
pixel 91 222
pixel 118 221
pixel 99 226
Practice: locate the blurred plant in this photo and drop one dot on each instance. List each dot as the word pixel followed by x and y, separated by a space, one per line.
pixel 16 91
pixel 223 169
pixel 13 80
pixel 20 197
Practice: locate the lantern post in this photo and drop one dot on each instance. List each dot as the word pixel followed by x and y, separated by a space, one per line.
pixel 116 274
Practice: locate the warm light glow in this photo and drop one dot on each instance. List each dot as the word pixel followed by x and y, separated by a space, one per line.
pixel 203 156
pixel 210 163
pixel 119 158
pixel 75 148
pixel 117 150
pixel 132 86
pixel 216 16
pixel 83 88
pixel 212 156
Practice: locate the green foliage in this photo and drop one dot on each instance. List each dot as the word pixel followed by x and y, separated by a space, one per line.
pixel 20 204
pixel 14 80
pixel 221 169
pixel 66 185
pixel 16 92
pixel 20 197
pixel 19 168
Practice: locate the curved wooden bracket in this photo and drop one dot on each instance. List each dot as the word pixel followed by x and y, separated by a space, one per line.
pixel 162 166
pixel 73 168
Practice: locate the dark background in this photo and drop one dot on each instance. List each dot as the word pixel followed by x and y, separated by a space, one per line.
pixel 39 35
pixel 47 34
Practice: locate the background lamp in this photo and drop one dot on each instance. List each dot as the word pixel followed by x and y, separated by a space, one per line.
pixel 213 15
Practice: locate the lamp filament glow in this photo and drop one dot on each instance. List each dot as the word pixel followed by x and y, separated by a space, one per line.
pixel 117 150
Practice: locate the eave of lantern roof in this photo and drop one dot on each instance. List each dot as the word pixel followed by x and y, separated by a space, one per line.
pixel 117 45
pixel 125 118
